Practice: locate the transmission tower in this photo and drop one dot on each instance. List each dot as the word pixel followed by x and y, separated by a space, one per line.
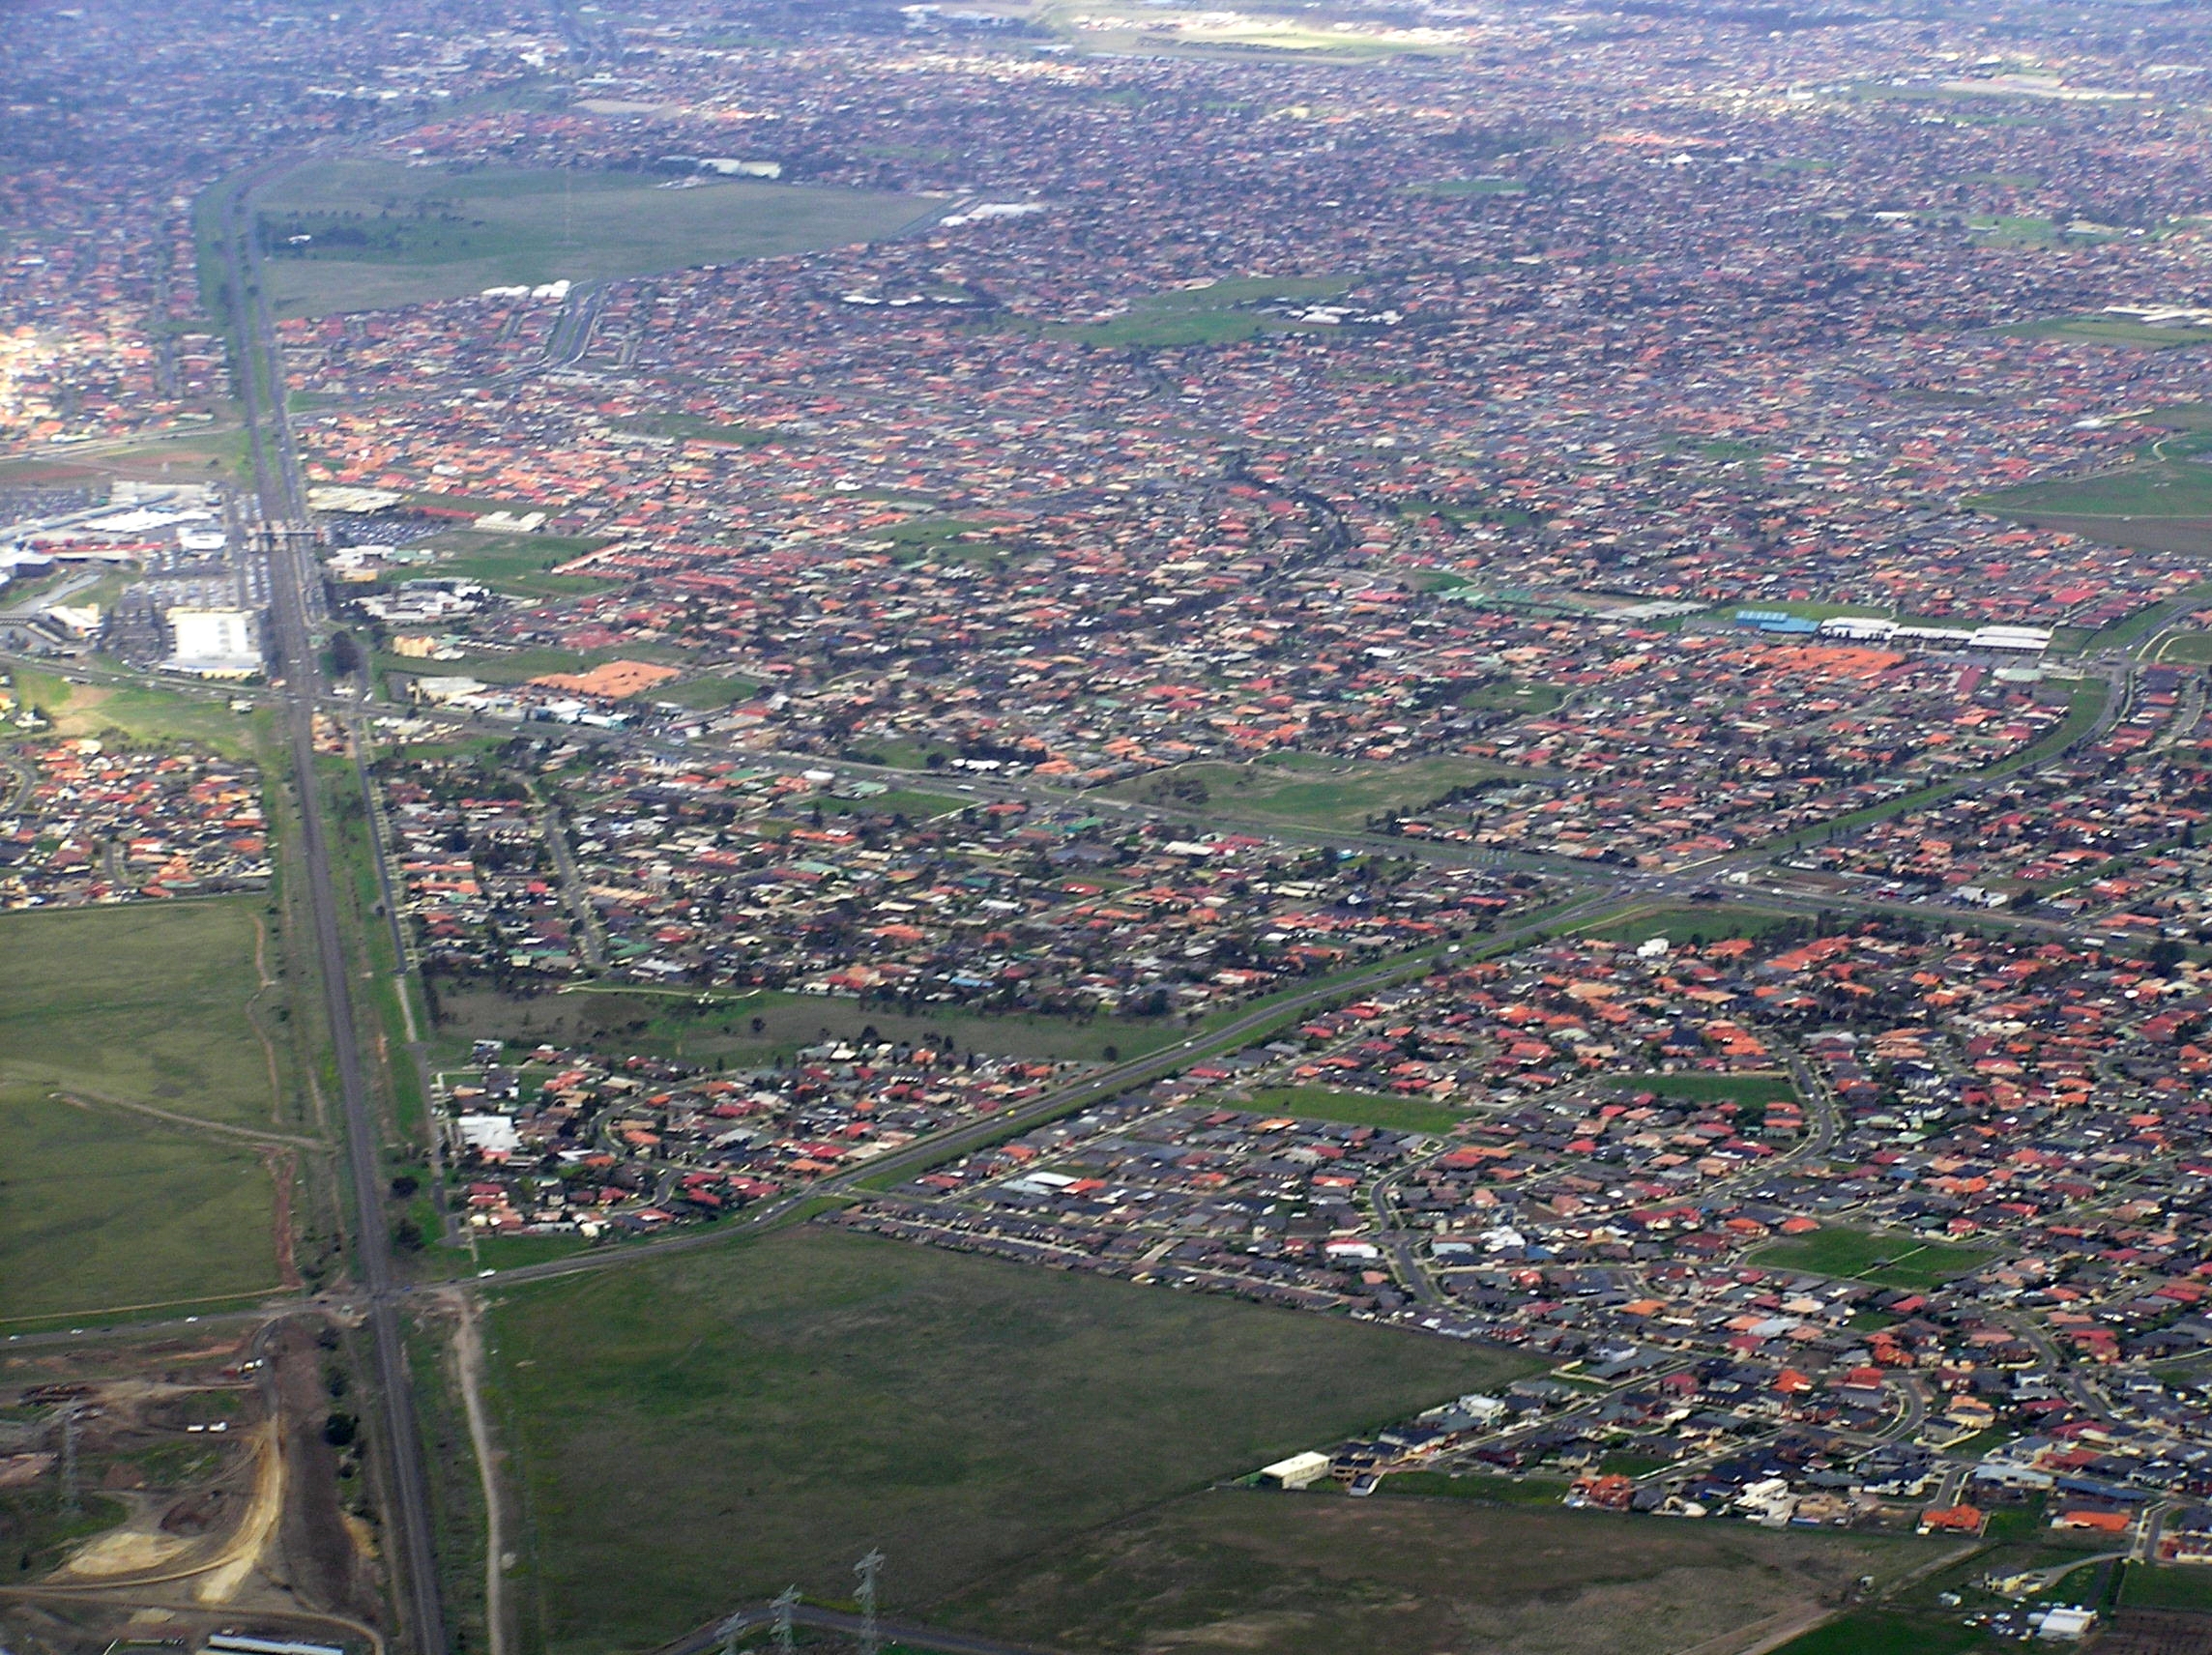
pixel 784 1604
pixel 868 1568
pixel 730 1630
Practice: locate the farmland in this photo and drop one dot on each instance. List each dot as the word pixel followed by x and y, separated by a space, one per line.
pixel 757 1407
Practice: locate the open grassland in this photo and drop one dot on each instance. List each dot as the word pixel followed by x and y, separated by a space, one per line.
pixel 2108 330
pixel 101 1209
pixel 2145 1586
pixel 386 235
pixel 1221 314
pixel 1872 1632
pixel 764 1413
pixel 2174 488
pixel 521 565
pixel 1317 793
pixel 145 1002
pixel 1885 1261
pixel 1687 926
pixel 145 716
pixel 1357 1108
pixel 676 1024
pixel 1294 1574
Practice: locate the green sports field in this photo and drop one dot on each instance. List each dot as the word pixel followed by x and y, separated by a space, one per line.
pixel 1357 1108
pixel 694 1434
pixel 1885 1261
pixel 386 235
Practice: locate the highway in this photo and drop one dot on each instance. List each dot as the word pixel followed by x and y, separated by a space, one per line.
pixel 295 585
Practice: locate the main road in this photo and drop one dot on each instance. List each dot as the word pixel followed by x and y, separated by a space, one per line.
pixel 295 589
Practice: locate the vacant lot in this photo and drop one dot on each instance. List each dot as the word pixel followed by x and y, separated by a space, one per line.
pixel 386 235
pixel 1294 1575
pixel 1317 793
pixel 152 716
pixel 101 1209
pixel 762 1415
pixel 144 1003
pixel 677 1025
pixel 1886 1261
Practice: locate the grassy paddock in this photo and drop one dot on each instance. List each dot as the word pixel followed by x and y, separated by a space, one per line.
pixel 102 1210
pixel 1329 796
pixel 766 1412
pixel 143 1002
pixel 1299 1573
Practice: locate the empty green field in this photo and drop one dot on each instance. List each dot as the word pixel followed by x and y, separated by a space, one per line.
pixel 1685 927
pixel 1709 1088
pixel 142 1001
pixel 2102 330
pixel 384 235
pixel 705 694
pixel 1470 187
pixel 1268 1574
pixel 2170 1588
pixel 518 564
pixel 147 716
pixel 1222 313
pixel 2176 488
pixel 1885 1261
pixel 1356 1108
pixel 1316 792
pixel 1512 695
pixel 676 1024
pixel 1872 1632
pixel 2192 647
pixel 101 1209
pixel 767 1412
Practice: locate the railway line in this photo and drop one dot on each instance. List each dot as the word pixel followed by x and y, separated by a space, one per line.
pixel 282 532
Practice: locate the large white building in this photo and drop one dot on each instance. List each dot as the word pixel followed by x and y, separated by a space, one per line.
pixel 215 643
